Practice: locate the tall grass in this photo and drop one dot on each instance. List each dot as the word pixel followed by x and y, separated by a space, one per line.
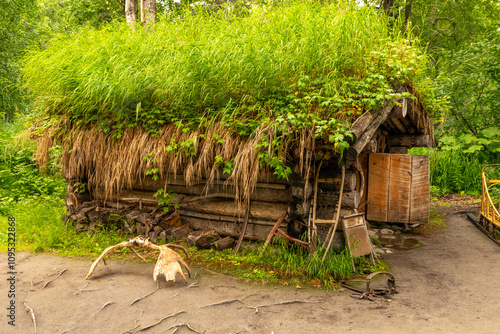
pixel 283 262
pixel 204 65
pixel 455 171
pixel 39 228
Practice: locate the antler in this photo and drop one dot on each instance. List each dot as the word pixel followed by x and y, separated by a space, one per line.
pixel 167 264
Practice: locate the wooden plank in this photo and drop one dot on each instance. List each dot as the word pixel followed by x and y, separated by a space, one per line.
pixel 359 126
pixel 410 140
pixel 420 190
pixel 359 145
pixel 378 186
pixel 399 125
pixel 356 235
pixel 363 163
pixel 399 189
pixel 399 149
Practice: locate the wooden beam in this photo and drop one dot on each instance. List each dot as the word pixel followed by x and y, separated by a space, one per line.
pixel 411 140
pixel 369 132
pixel 399 125
pixel 359 126
pixel 399 150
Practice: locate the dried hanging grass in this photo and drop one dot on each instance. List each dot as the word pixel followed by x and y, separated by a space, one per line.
pixel 112 165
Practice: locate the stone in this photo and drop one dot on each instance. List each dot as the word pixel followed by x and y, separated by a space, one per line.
pixel 386 231
pixel 396 228
pixel 372 234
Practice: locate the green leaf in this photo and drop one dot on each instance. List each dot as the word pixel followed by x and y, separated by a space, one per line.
pixel 491 132
pixel 474 149
pixel 468 138
pixel 137 111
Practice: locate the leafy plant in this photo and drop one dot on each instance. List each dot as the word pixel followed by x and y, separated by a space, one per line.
pixel 20 178
pixel 165 199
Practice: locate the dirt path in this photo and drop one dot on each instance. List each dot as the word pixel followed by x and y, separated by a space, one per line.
pixel 447 286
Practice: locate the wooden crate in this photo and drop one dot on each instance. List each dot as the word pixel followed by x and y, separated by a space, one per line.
pixel 398 188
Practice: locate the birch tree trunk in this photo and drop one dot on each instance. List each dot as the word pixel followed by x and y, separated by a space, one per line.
pixel 148 12
pixel 131 11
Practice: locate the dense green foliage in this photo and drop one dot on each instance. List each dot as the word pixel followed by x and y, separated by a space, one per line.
pixel 463 39
pixel 20 178
pixel 472 82
pixel 65 16
pixel 296 66
pixel 17 33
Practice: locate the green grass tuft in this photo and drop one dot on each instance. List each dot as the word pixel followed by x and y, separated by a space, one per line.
pixel 330 58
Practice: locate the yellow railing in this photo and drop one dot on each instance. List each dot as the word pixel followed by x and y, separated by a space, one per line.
pixel 488 209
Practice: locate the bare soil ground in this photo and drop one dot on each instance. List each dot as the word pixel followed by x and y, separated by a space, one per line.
pixel 449 285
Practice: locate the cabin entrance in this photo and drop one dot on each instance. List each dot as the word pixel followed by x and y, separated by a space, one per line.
pixel 398 188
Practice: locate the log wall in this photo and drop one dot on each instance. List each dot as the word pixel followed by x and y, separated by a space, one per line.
pixel 214 206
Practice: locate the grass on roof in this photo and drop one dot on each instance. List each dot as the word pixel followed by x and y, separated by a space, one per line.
pixel 290 64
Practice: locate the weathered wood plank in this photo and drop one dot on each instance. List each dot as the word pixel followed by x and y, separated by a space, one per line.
pixel 410 141
pixel 264 195
pixel 408 125
pixel 378 186
pixel 368 134
pixel 399 149
pixel 363 164
pixel 420 190
pixel 350 200
pixel 349 180
pixel 399 189
pixel 258 210
pixel 399 125
pixel 359 126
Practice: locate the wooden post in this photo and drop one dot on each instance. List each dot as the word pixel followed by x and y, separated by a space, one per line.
pixel 243 230
pixel 336 218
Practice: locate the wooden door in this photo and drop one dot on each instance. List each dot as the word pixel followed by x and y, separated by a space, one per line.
pixel 398 188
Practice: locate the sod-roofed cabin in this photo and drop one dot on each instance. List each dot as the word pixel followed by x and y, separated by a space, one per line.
pixel 205 123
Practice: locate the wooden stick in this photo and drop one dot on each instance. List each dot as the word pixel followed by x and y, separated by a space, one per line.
pixel 286 302
pixel 193 285
pixel 336 218
pixel 273 231
pixel 157 323
pixel 243 230
pixel 166 253
pixel 314 234
pixel 62 272
pixel 106 251
pixel 300 242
